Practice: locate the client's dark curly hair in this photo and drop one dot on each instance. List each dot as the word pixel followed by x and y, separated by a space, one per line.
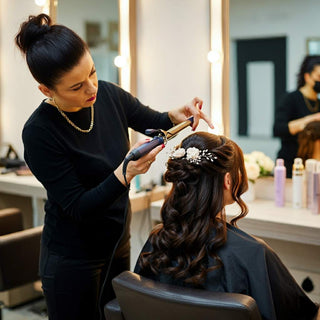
pixel 194 209
pixel 306 140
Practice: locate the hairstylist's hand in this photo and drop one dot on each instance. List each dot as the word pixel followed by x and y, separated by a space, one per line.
pixel 296 126
pixel 139 166
pixel 193 108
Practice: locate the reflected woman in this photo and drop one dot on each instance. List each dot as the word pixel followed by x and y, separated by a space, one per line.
pixel 297 109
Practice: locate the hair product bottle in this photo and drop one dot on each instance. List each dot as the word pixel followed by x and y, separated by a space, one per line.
pixel 310 168
pixel 297 183
pixel 315 208
pixel 280 174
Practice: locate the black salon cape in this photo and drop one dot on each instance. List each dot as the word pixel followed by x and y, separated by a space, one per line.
pixel 251 267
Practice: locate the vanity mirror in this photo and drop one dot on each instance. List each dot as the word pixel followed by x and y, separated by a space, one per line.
pixel 268 41
pixel 288 22
pixel 108 26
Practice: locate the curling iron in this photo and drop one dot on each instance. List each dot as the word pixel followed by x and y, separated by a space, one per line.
pixel 159 137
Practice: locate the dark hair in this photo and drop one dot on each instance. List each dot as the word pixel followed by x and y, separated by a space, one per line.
pixel 51 50
pixel 307 66
pixel 194 208
pixel 306 139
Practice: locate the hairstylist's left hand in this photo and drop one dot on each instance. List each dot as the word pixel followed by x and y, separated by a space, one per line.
pixel 193 108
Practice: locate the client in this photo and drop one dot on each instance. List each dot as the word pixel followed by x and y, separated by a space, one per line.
pixel 195 246
pixel 309 142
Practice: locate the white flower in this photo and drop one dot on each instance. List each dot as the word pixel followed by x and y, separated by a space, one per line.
pixel 253 170
pixel 269 164
pixel 264 163
pixel 258 155
pixel 179 153
pixel 193 153
pixel 248 158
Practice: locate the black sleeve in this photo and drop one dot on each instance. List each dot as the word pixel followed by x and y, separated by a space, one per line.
pixel 282 117
pixel 139 116
pixel 52 167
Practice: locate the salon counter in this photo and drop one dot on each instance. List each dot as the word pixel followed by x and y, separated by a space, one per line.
pixel 27 193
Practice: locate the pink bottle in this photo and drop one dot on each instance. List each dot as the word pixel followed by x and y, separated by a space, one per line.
pixel 280 174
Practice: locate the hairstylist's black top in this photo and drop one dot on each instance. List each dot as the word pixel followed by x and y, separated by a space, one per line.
pixel 86 202
pixel 291 107
pixel 251 267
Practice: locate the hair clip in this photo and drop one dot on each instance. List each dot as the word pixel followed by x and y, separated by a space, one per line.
pixel 193 155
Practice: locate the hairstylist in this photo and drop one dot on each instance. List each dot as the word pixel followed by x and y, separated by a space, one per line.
pixel 297 109
pixel 75 143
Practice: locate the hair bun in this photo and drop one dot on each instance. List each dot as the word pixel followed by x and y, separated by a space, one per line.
pixel 32 30
pixel 181 170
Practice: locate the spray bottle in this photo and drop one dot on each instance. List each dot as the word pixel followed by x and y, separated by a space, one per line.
pixel 297 183
pixel 310 166
pixel 280 173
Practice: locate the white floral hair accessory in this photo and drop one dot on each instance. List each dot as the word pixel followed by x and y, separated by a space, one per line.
pixel 193 155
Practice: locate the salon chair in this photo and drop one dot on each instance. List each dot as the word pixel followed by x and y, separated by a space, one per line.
pixel 139 298
pixel 19 251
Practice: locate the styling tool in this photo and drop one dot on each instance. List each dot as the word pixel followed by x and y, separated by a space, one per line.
pixel 159 137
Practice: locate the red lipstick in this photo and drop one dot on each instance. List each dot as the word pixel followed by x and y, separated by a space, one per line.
pixel 92 98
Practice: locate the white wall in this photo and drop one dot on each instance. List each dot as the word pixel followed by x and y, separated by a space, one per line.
pixel 19 94
pixel 172 46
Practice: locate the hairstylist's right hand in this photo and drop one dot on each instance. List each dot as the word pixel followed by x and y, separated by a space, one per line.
pixel 296 126
pixel 139 166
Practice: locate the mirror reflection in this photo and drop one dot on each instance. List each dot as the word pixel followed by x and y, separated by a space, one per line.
pixel 97 22
pixel 268 42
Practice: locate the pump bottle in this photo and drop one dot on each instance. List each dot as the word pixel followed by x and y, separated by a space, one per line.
pixel 310 169
pixel 280 174
pixel 315 208
pixel 297 183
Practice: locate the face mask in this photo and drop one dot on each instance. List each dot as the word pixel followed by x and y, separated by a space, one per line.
pixel 316 86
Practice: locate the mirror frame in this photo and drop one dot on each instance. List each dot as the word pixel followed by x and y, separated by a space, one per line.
pixel 219 86
pixel 225 67
pixel 127 41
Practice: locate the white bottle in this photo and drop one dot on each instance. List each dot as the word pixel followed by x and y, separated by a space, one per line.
pixel 310 169
pixel 315 208
pixel 280 174
pixel 297 183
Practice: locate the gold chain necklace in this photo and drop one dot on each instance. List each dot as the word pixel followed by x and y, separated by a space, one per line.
pixel 311 108
pixel 74 125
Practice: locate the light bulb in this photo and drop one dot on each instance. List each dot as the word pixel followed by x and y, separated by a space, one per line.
pixel 120 61
pixel 214 56
pixel 40 3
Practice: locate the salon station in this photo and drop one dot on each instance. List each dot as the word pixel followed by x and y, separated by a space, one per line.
pixel 239 56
